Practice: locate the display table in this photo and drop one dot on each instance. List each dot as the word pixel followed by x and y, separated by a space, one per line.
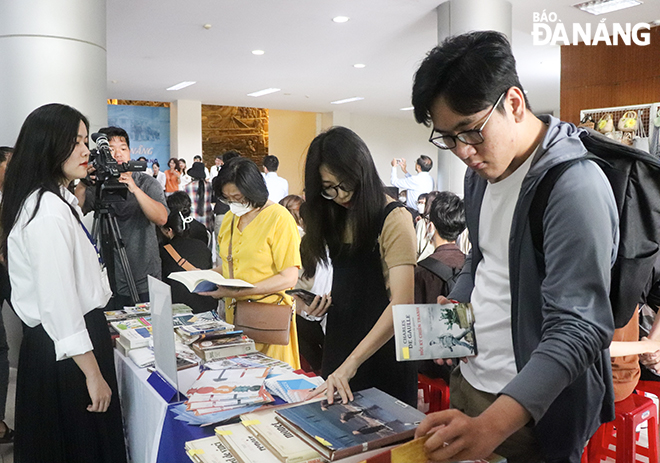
pixel 152 433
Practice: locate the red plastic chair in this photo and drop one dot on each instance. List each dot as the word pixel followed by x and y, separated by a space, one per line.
pixel 436 392
pixel 621 432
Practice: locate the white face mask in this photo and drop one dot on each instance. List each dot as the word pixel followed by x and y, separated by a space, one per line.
pixel 402 199
pixel 421 207
pixel 239 209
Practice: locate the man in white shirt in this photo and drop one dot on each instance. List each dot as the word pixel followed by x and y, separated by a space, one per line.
pixel 414 184
pixel 278 187
pixel 215 169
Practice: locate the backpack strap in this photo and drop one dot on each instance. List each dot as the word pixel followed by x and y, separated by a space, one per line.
pixel 181 262
pixel 439 269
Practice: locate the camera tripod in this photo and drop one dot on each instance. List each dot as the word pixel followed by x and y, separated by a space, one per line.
pixel 105 231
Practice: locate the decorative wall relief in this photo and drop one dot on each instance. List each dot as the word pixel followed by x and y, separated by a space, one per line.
pixel 227 128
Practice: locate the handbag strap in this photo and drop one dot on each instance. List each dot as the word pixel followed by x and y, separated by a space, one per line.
pixel 230 258
pixel 181 262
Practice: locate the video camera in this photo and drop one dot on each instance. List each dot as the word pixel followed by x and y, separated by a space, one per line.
pixel 108 170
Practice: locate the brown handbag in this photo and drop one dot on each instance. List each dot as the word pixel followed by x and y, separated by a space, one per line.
pixel 264 323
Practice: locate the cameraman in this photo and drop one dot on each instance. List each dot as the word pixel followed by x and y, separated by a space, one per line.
pixel 144 206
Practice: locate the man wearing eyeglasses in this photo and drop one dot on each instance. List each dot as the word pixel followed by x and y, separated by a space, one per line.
pixel 541 383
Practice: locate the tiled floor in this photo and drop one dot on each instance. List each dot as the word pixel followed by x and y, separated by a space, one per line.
pixel 7 450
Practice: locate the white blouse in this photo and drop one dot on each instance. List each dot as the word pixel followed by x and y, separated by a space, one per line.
pixel 54 271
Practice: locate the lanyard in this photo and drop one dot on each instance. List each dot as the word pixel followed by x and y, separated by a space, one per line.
pixel 91 240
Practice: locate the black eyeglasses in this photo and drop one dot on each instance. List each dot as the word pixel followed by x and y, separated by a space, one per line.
pixel 331 192
pixel 469 137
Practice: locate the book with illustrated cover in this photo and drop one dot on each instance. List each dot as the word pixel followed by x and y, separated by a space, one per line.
pixel 209 450
pixel 135 338
pixel 372 420
pixel 219 390
pixel 199 281
pixel 433 331
pixel 285 445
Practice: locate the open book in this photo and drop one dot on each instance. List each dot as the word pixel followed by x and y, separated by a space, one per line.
pixel 199 281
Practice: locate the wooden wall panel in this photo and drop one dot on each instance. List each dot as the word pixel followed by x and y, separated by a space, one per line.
pixel 234 128
pixel 605 76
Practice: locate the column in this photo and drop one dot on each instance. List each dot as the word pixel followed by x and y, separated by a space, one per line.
pixel 51 52
pixel 185 130
pixel 456 17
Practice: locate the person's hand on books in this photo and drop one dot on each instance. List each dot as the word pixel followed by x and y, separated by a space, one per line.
pixel 337 383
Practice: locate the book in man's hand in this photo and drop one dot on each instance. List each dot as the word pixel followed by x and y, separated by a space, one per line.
pixel 372 420
pixel 433 331
pixel 199 281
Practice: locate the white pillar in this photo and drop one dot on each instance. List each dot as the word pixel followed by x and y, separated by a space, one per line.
pixel 51 52
pixel 457 17
pixel 185 129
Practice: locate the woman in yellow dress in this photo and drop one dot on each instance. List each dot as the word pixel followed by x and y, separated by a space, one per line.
pixel 265 247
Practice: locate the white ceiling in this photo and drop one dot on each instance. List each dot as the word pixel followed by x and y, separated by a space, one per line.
pixel 154 44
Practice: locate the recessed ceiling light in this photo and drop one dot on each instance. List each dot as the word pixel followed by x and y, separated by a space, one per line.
pixel 359 66
pixel 258 52
pixel 264 92
pixel 341 19
pixel 407 109
pixel 181 85
pixel 597 7
pixel 347 100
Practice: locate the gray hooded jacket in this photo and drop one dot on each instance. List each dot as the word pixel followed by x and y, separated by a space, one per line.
pixel 561 321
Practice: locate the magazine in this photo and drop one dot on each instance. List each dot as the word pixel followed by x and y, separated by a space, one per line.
pixel 433 331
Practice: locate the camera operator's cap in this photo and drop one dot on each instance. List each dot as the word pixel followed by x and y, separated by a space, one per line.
pixel 197 170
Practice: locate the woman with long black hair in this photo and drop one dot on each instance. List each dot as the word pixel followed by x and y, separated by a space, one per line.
pixel 67 405
pixel 372 248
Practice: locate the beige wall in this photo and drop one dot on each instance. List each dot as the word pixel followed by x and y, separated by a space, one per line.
pixel 289 135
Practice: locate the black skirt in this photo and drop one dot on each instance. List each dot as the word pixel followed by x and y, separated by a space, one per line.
pixel 52 421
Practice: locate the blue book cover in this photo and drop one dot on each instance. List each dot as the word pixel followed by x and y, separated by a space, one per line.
pixel 372 420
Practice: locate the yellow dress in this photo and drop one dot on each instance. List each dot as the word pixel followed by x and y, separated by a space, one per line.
pixel 268 245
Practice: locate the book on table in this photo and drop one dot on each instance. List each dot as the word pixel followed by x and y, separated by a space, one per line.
pixel 372 420
pixel 244 445
pixel 199 281
pixel 209 450
pixel 228 346
pixel 433 331
pixel 281 442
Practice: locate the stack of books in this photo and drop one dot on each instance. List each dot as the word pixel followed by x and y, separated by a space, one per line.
pixel 196 327
pixel 139 310
pixel 221 390
pixel 223 346
pixel 209 450
pixel 254 360
pixel 134 333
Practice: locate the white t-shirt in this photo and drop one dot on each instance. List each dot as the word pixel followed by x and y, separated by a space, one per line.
pixel 277 186
pixel 494 366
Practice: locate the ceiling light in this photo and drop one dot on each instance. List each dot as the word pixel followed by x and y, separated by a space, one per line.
pixel 264 92
pixel 258 52
pixel 407 109
pixel 359 66
pixel 347 100
pixel 181 85
pixel 597 7
pixel 341 19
